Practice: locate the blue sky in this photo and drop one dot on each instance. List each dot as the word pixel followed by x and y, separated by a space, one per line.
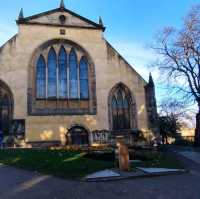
pixel 131 24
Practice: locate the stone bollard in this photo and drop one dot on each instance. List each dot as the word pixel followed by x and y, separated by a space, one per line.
pixel 123 154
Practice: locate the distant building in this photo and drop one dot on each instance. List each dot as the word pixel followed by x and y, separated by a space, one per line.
pixel 187 133
pixel 62 82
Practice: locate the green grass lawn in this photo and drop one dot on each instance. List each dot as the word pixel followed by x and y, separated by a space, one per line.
pixel 157 159
pixel 74 165
pixel 59 163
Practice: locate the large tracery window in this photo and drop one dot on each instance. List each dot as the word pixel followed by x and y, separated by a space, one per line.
pixel 121 109
pixel 62 68
pixel 73 75
pixel 62 76
pixel 62 80
pixel 52 74
pixel 41 77
pixel 83 75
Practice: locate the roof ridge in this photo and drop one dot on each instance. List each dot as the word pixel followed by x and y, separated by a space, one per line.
pixel 26 19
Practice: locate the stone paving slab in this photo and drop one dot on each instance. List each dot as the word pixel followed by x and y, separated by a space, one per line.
pixel 192 155
pixel 158 170
pixel 103 174
pixel 137 173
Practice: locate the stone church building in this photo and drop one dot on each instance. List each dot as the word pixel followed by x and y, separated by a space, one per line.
pixel 62 82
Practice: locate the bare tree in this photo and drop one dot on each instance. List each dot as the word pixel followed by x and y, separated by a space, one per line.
pixel 171 112
pixel 170 106
pixel 180 59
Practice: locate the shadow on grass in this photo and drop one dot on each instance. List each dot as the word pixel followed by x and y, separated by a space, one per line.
pixel 157 159
pixel 59 163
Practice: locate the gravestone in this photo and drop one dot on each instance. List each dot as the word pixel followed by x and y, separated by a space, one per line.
pixel 123 154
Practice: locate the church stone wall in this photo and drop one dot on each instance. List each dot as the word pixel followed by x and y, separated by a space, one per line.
pixel 110 69
pixel 118 70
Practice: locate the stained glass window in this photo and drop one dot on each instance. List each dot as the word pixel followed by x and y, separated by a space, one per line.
pixel 114 113
pixel 120 110
pixel 84 88
pixel 73 75
pixel 41 78
pixel 62 76
pixel 126 112
pixel 52 74
pixel 62 68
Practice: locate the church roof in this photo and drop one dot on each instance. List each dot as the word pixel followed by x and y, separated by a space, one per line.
pixel 34 19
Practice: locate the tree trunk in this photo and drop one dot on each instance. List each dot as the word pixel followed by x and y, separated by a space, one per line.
pixel 166 140
pixel 197 130
pixel 163 139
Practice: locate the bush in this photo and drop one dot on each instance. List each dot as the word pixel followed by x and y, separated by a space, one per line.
pixel 102 156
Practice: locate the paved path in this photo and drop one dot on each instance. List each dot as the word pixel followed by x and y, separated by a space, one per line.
pixel 192 155
pixel 20 184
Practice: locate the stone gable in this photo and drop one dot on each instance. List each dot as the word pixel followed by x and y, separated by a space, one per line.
pixel 60 17
pixel 18 58
pixel 54 19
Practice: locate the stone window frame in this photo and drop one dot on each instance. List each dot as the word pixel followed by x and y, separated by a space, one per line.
pixel 133 107
pixel 31 93
pixel 8 93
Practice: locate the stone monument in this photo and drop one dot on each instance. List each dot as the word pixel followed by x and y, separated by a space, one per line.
pixel 123 154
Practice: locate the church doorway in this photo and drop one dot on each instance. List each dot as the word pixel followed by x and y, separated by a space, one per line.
pixel 79 136
pixel 6 108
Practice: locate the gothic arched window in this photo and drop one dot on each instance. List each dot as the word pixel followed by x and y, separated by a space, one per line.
pixel 62 81
pixel 73 75
pixel 62 74
pixel 41 78
pixel 83 75
pixel 52 74
pixel 57 80
pixel 114 113
pixel 6 108
pixel 126 104
pixel 121 110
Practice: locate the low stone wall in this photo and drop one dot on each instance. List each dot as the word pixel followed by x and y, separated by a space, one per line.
pixel 98 139
pixel 105 137
pixel 47 144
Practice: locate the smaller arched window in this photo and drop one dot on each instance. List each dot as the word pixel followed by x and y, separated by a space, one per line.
pixel 41 78
pixel 121 110
pixel 6 109
pixel 83 75
pixel 62 74
pixel 73 75
pixel 114 113
pixel 126 104
pixel 52 74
